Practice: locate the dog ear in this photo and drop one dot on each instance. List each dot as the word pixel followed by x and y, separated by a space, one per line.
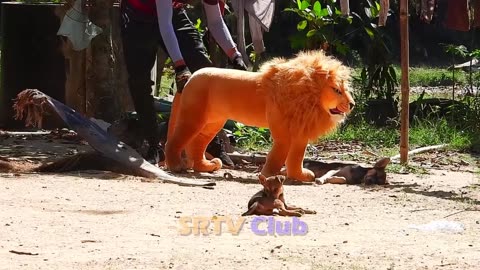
pixel 382 163
pixel 280 178
pixel 262 179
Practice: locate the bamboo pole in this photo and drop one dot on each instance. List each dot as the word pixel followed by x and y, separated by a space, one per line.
pixel 405 84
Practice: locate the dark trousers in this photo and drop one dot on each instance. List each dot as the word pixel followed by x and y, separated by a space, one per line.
pixel 141 40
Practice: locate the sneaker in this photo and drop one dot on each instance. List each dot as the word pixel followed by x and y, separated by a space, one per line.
pixel 216 148
pixel 154 154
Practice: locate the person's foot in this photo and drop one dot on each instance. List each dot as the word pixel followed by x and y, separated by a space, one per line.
pixel 216 148
pixel 154 154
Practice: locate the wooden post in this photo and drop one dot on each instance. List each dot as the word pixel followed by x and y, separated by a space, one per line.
pixel 405 84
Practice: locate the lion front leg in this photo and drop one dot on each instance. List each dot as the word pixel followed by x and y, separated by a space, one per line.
pixel 294 162
pixel 276 157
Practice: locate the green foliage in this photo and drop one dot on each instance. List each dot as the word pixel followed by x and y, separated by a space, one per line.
pixel 426 76
pixel 423 133
pixel 467 114
pixel 423 76
pixel 251 138
pixel 459 51
pixel 199 26
pixel 378 78
pixel 317 26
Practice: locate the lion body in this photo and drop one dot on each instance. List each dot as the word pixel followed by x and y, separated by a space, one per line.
pixel 293 98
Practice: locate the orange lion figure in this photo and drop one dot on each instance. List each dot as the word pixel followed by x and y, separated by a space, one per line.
pixel 299 100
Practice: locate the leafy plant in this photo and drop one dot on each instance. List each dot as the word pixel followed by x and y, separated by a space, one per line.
pixel 251 137
pixel 455 51
pixel 317 26
pixel 378 77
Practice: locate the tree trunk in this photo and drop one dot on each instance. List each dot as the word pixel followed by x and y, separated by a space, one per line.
pixel 103 101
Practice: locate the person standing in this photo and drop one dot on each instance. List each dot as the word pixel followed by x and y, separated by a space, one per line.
pixel 148 24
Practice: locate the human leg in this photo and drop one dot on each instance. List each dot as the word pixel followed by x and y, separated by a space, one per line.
pixel 140 43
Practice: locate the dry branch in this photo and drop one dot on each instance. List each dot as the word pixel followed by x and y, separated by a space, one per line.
pixel 32 103
pixel 419 150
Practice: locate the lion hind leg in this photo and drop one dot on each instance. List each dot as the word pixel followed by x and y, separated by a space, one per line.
pixel 196 149
pixel 294 162
pixel 173 115
pixel 184 133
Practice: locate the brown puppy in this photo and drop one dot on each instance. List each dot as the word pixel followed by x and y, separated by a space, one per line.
pixel 350 174
pixel 270 200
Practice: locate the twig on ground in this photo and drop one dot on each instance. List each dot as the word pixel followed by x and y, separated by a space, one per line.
pixel 419 210
pixel 459 212
pixel 23 253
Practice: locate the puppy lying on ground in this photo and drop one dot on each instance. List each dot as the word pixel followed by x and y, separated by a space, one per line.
pixel 341 173
pixel 270 200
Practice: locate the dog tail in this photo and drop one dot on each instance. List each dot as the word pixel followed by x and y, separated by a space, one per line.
pixel 251 210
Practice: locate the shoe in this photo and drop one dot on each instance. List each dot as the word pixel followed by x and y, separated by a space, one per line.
pixel 216 148
pixel 154 154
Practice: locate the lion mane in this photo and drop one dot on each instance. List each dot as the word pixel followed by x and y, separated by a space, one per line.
pixel 298 99
pixel 295 85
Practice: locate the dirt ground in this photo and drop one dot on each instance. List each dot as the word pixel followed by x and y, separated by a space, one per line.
pixel 102 220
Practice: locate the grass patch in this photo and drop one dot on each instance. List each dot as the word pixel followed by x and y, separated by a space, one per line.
pixel 384 141
pixel 421 134
pixel 428 76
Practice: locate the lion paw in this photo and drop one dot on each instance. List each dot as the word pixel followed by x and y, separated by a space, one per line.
pixel 208 165
pixel 304 175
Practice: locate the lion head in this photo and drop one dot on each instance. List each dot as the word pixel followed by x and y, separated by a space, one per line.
pixel 337 100
pixel 311 91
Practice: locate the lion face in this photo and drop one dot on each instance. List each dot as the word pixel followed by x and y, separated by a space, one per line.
pixel 337 101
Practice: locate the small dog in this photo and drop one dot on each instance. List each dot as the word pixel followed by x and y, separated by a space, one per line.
pixel 350 174
pixel 270 200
